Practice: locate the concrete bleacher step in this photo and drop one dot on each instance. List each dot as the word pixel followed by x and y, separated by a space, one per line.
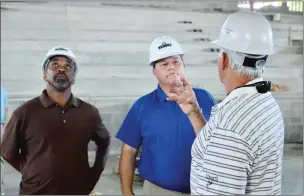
pixel 33 59
pixel 18 46
pixel 115 16
pixel 183 34
pixel 132 86
pixel 203 71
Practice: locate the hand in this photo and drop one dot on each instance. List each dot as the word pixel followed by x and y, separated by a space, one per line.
pixel 184 95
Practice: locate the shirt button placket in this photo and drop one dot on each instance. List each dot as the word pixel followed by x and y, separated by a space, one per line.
pixel 64 121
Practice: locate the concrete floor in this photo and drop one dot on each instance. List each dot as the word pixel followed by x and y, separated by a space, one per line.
pixel 109 183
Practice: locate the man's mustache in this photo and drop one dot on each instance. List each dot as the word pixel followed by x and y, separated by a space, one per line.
pixel 173 74
pixel 61 75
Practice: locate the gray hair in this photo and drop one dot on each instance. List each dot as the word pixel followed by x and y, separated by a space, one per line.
pixel 249 72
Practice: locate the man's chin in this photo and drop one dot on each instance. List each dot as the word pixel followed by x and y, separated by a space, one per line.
pixel 175 83
pixel 61 88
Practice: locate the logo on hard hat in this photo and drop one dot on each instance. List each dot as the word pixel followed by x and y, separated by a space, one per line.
pixel 228 31
pixel 61 49
pixel 163 45
pixel 260 63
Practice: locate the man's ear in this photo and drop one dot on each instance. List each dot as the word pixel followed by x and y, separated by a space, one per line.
pixel 44 76
pixel 224 61
pixel 73 78
pixel 153 71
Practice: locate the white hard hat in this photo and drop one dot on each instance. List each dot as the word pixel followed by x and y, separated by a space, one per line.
pixel 247 32
pixel 162 47
pixel 59 51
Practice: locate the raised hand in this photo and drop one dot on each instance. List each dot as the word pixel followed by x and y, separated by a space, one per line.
pixel 184 95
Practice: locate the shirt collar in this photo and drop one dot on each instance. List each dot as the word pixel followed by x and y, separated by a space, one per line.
pixel 160 94
pixel 240 91
pixel 47 102
pixel 255 81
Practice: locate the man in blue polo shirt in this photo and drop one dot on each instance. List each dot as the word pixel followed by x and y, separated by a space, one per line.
pixel 161 128
pixel 4 116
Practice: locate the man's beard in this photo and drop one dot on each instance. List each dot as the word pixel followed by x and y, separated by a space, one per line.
pixel 61 83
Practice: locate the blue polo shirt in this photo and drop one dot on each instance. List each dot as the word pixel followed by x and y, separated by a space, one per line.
pixel 166 136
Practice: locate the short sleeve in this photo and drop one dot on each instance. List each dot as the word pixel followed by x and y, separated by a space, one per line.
pixel 100 135
pixel 12 138
pixel 130 130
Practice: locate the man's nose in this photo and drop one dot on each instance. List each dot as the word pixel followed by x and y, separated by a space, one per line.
pixel 171 66
pixel 60 69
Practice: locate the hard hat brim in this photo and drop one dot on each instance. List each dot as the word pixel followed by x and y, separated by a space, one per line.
pixel 152 62
pixel 217 42
pixel 44 64
pixel 67 56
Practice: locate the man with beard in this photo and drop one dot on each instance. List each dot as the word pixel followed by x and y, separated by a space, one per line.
pixel 47 138
pixel 161 128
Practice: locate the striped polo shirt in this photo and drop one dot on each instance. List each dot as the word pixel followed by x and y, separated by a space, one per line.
pixel 240 149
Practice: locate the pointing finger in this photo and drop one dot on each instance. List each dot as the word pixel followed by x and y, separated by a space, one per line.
pixel 185 82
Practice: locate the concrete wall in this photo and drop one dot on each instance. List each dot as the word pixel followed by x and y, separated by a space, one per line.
pixel 111 44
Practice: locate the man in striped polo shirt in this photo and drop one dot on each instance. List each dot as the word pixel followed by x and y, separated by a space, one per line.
pixel 240 149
